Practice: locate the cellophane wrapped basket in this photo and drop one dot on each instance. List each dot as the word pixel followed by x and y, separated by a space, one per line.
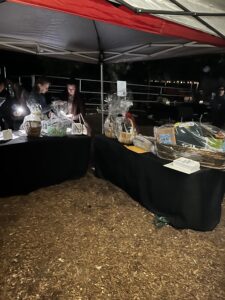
pixel 125 131
pixel 109 127
pixel 200 142
pixel 117 106
pixel 60 108
pixel 59 121
pixel 32 122
pixel 33 128
pixel 56 126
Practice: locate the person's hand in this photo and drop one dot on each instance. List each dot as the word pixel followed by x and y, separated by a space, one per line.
pixel 70 116
pixel 76 117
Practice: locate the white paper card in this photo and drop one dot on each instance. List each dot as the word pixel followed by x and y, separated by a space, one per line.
pixel 184 165
pixel 7 134
pixel 187 163
pixel 121 88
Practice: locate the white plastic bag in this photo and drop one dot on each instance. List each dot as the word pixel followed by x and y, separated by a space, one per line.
pixel 80 127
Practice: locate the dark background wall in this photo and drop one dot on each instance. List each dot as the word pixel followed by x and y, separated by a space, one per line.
pixel 208 69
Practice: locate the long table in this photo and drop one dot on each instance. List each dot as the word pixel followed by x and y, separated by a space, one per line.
pixel 31 163
pixel 187 201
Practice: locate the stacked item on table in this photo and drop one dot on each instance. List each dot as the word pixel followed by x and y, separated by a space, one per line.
pixel 109 127
pixel 192 140
pixel 59 123
pixel 125 130
pixel 184 165
pixel 119 124
pixel 32 122
pixel 136 149
pixel 144 142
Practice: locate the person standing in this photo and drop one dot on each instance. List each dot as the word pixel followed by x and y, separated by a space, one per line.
pixel 19 107
pixel 4 94
pixel 75 104
pixel 37 95
pixel 3 90
pixel 218 108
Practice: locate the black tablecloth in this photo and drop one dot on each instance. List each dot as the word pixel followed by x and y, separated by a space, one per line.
pixel 27 164
pixel 188 201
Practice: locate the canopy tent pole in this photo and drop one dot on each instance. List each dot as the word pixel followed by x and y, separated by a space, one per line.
pixel 3 72
pixel 102 95
pixel 101 60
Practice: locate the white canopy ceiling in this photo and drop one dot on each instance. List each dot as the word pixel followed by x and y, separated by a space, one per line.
pixel 54 33
pixel 205 15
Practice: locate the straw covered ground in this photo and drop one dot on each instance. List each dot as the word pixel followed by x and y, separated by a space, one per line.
pixel 87 239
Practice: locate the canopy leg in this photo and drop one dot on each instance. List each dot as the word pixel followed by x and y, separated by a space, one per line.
pixel 102 95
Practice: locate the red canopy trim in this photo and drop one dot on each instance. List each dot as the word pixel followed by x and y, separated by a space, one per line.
pixel 104 11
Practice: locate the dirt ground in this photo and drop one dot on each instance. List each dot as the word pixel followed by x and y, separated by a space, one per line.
pixel 87 239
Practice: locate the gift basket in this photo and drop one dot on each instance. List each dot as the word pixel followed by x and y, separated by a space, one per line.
pixel 55 126
pixel 32 122
pixel 118 124
pixel 125 130
pixel 80 127
pixel 196 141
pixel 59 108
pixel 32 128
pixel 110 127
pixel 59 122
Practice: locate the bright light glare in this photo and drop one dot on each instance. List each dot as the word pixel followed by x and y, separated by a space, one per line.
pixel 19 109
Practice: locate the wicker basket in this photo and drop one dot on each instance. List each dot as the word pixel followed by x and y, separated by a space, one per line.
pixel 109 128
pixel 207 158
pixel 109 132
pixel 33 128
pixel 126 137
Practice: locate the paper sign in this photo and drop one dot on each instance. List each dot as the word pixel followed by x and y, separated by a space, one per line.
pixel 7 134
pixel 184 165
pixel 165 135
pixel 165 139
pixel 121 88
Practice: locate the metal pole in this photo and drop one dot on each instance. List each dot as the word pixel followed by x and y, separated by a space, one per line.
pixel 33 80
pixel 102 95
pixel 4 72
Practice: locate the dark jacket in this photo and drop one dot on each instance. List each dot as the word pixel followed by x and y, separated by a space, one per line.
pixel 37 98
pixel 77 104
pixel 218 111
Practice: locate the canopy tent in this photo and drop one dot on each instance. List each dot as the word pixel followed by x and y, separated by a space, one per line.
pixel 104 31
pixel 206 15
pixel 81 30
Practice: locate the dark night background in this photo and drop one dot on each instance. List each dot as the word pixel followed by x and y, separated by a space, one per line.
pixel 185 68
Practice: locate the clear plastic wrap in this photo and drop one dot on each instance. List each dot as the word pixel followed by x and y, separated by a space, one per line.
pixel 200 142
pixel 117 105
pixel 125 130
pixel 110 126
pixel 59 123
pixel 60 108
pixel 117 124
pixel 144 142
pixel 32 122
pixel 56 126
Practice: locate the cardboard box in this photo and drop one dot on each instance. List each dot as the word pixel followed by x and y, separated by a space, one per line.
pixel 165 135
